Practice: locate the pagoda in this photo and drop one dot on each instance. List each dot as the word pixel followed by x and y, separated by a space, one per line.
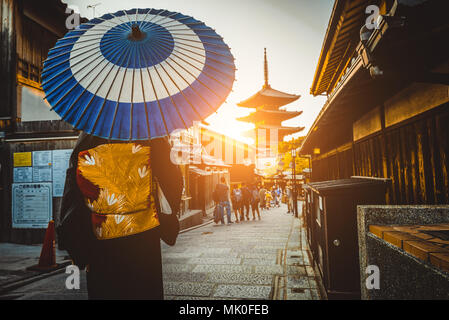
pixel 268 114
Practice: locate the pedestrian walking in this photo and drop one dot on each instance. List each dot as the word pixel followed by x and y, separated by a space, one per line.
pixel 217 212
pixel 289 199
pixel 269 198
pixel 276 196
pixel 262 193
pixel 236 199
pixel 120 199
pixel 273 196
pixel 246 193
pixel 222 190
pixel 255 202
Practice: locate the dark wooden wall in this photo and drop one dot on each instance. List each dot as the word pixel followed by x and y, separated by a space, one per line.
pixel 38 24
pixel 7 57
pixel 336 166
pixel 28 30
pixel 24 45
pixel 413 154
pixel 33 44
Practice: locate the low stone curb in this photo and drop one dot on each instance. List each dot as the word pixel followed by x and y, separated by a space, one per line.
pixel 27 280
pixel 197 226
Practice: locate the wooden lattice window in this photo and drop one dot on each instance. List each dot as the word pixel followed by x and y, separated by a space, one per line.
pixel 29 71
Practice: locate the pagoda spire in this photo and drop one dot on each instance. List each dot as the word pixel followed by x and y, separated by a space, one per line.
pixel 265 69
pixel 268 116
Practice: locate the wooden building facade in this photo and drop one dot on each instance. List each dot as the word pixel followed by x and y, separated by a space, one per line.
pixel 218 156
pixel 27 125
pixel 387 112
pixel 30 132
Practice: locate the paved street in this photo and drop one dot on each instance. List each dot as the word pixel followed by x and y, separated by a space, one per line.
pixel 264 259
pixel 250 260
pixel 15 258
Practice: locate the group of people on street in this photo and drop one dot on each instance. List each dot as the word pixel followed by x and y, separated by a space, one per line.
pixel 248 199
pixel 242 198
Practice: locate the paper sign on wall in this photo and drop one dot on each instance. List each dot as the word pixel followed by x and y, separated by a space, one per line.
pixel 31 205
pixel 22 159
pixel 42 166
pixel 60 161
pixel 42 158
pixel 23 174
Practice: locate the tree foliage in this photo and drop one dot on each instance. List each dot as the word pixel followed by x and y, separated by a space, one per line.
pixel 285 148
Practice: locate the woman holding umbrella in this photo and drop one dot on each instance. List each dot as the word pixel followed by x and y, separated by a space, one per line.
pixel 121 186
pixel 128 80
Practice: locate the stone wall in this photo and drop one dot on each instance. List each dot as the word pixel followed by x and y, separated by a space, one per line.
pixel 402 276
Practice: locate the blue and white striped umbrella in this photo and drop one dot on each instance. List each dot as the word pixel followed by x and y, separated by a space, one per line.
pixel 138 74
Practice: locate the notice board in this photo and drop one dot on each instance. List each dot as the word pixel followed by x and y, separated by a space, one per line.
pixel 31 205
pixel 38 176
pixel 42 166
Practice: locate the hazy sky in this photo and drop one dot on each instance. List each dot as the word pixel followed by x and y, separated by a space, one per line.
pixel 291 30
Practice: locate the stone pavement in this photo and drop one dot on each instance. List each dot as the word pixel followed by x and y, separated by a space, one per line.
pixel 15 258
pixel 266 259
pixel 262 259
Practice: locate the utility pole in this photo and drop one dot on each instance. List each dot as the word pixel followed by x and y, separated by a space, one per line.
pixel 93 6
pixel 295 199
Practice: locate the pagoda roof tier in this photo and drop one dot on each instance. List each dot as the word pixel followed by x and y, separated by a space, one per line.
pixel 268 96
pixel 262 114
pixel 282 131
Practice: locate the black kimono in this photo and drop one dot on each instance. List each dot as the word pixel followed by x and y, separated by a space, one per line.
pixel 111 219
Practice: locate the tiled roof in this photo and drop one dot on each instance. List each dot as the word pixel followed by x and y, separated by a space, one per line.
pixel 268 96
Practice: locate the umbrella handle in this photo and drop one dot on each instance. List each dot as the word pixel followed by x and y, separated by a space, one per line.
pixel 136 34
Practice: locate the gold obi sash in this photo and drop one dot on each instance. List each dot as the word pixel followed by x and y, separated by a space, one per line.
pixel 117 184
